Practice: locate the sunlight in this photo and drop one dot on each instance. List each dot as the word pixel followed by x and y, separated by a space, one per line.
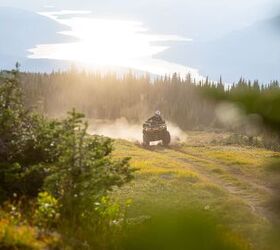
pixel 106 42
pixel 110 41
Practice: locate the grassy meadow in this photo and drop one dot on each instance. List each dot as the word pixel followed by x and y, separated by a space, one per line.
pixel 228 182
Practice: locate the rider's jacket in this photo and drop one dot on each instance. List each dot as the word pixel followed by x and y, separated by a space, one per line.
pixel 156 119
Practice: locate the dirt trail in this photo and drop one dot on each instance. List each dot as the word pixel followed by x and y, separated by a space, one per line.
pixel 251 191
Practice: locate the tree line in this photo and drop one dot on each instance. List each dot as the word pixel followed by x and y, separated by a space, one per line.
pixel 111 96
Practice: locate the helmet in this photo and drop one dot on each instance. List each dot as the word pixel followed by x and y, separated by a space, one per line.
pixel 157 113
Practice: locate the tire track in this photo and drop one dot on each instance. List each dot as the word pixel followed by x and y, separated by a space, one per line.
pixel 252 194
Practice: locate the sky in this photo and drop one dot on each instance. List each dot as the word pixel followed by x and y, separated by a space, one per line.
pixel 131 33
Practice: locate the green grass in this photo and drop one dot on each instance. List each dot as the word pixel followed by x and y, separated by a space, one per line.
pixel 224 181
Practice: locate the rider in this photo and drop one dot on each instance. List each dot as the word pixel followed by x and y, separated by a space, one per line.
pixel 156 118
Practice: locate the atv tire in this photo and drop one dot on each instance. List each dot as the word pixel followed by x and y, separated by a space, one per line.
pixel 146 141
pixel 166 139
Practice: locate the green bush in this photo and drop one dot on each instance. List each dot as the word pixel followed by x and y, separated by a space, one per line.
pixel 21 155
pixel 68 169
pixel 82 176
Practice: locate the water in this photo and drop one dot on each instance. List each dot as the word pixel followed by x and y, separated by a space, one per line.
pixel 111 43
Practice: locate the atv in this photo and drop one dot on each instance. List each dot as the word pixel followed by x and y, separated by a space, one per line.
pixel 155 132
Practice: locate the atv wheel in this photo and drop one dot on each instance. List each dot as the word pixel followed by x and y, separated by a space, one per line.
pixel 146 141
pixel 166 139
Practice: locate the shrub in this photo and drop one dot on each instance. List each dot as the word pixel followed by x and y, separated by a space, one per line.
pixel 84 173
pixel 75 169
pixel 21 168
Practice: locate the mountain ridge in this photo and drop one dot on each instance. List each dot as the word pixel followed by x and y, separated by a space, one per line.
pixel 252 52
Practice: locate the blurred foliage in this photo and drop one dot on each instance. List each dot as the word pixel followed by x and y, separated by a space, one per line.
pixel 46 214
pixel 262 104
pixel 18 232
pixel 253 99
pixel 181 230
pixel 18 237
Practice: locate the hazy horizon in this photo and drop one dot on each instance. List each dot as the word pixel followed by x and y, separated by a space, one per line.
pixel 151 36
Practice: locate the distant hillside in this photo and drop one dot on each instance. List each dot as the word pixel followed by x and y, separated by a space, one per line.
pixel 253 53
pixel 21 30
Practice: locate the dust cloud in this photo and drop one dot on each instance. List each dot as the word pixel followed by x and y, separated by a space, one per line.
pixel 122 129
pixel 234 117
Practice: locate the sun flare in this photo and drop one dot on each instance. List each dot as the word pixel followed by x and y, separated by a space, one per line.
pixel 107 42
